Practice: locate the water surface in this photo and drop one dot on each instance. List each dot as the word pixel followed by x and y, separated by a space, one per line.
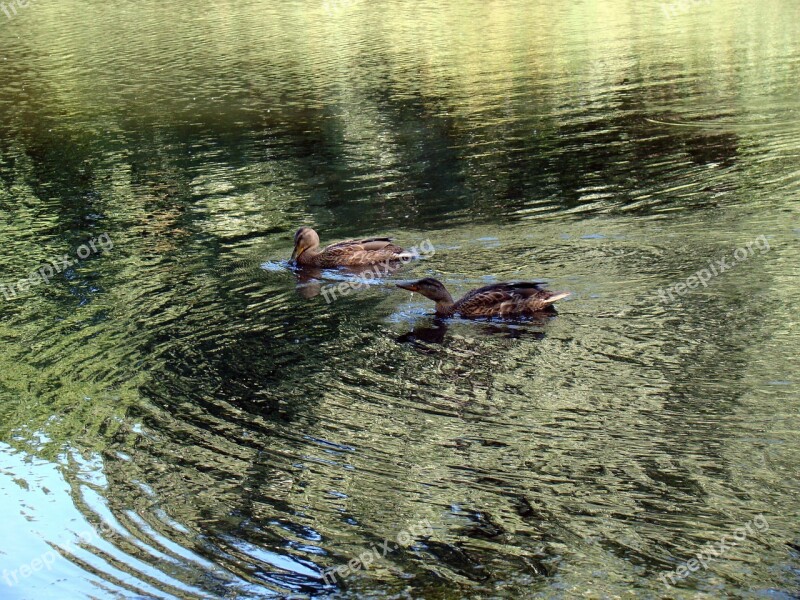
pixel 183 416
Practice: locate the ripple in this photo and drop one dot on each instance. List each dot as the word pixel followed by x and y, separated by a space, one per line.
pixel 216 429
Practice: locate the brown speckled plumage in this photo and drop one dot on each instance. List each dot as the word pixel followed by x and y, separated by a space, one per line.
pixel 497 300
pixel 349 253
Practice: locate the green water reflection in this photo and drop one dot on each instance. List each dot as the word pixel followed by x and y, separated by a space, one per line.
pixel 228 434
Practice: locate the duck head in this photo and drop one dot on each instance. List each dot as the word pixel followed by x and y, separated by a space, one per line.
pixel 433 289
pixel 305 239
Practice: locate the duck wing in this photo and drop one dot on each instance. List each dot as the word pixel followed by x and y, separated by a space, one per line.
pixel 504 299
pixel 365 244
pixel 363 252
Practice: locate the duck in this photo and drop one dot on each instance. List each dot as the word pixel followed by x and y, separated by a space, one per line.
pixel 505 300
pixel 349 253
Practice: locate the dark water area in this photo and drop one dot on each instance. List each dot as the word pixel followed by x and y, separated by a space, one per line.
pixel 184 415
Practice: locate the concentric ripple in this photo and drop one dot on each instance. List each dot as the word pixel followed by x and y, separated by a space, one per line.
pixel 185 415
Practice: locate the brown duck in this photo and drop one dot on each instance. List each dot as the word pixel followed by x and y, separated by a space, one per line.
pixel 368 251
pixel 497 300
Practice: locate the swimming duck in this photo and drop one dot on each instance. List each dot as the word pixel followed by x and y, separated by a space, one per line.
pixel 368 251
pixel 497 300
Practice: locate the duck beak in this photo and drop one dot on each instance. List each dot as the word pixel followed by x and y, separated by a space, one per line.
pixel 296 254
pixel 408 286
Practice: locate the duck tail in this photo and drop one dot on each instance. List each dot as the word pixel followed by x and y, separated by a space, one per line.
pixel 554 297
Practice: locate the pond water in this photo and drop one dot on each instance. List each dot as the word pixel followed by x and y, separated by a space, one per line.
pixel 184 416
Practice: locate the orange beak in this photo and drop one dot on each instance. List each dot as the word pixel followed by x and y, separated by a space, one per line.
pixel 296 254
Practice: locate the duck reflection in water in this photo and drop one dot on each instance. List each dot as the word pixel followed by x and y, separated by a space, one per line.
pixel 434 331
pixel 311 281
